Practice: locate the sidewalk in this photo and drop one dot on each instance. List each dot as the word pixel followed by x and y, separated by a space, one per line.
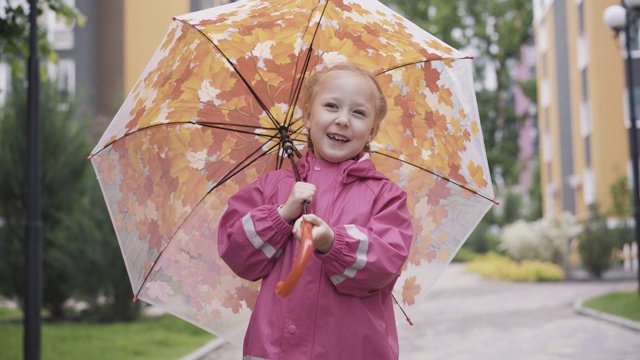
pixel 468 317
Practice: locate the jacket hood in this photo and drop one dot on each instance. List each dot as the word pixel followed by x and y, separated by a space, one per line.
pixel 360 167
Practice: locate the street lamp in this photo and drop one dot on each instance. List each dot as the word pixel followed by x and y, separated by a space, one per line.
pixel 619 18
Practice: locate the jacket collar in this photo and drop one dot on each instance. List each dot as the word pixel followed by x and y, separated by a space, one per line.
pixel 360 167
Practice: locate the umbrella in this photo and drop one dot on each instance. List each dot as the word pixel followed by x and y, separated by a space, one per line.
pixel 214 108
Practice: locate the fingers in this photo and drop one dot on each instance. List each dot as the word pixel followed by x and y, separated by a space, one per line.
pixel 313 219
pixel 297 231
pixel 303 191
pixel 322 234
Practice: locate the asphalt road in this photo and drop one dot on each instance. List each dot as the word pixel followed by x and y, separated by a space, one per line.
pixel 467 317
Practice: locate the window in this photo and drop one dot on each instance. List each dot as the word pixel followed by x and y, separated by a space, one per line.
pixel 5 75
pixel 587 151
pixel 66 76
pixel 61 33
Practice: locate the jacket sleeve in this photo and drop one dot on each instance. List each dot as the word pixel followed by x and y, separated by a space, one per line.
pixel 251 233
pixel 365 259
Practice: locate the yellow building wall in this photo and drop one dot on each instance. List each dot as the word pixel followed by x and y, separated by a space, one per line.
pixel 145 24
pixel 575 88
pixel 609 149
pixel 549 123
pixel 607 88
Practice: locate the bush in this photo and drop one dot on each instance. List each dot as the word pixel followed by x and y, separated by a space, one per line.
pixel 494 266
pixel 596 245
pixel 464 254
pixel 482 239
pixel 546 240
pixel 81 257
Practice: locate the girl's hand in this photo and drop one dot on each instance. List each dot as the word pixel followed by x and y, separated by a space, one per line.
pixel 321 234
pixel 300 193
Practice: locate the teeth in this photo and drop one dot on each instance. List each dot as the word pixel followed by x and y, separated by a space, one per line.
pixel 338 138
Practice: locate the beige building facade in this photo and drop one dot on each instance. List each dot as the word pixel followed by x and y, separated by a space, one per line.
pixel 582 106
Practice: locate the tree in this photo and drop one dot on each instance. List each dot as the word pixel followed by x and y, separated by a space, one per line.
pixel 62 142
pixel 495 31
pixel 81 255
pixel 14 30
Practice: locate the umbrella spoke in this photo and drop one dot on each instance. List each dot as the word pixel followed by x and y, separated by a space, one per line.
pixel 248 161
pixel 236 128
pixel 239 128
pixel 246 83
pixel 421 62
pixel 440 176
pixel 297 89
pixel 230 174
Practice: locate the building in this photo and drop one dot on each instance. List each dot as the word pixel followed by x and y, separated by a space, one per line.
pixel 581 106
pixel 101 59
pixel 114 46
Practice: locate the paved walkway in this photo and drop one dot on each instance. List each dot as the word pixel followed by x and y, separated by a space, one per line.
pixel 467 317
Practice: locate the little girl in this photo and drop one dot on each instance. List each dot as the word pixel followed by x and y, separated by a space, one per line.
pixel 342 307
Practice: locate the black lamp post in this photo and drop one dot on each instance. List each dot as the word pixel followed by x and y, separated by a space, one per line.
pixel 33 238
pixel 621 18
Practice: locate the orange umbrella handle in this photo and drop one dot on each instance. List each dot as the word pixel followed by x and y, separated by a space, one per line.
pixel 284 288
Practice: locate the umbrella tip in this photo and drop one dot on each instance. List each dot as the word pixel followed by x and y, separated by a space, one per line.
pixel 135 299
pixel 173 18
pixel 496 202
pixel 89 157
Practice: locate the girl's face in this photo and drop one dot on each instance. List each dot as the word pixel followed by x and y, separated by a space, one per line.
pixel 340 116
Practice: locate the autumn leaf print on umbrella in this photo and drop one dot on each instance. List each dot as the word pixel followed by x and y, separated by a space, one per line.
pixel 217 103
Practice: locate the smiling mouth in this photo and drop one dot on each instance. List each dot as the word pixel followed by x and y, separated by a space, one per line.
pixel 337 138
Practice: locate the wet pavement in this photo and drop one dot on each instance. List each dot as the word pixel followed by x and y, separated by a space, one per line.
pixel 467 317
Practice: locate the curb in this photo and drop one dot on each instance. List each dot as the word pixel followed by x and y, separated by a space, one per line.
pixel 630 324
pixel 205 350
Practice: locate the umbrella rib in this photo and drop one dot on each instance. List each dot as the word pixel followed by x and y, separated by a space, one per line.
pixel 235 170
pixel 243 165
pixel 246 83
pixel 468 57
pixel 442 177
pixel 298 86
pixel 221 126
pixel 204 124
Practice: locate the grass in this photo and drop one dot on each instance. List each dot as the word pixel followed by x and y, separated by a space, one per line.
pixel 164 337
pixel 623 304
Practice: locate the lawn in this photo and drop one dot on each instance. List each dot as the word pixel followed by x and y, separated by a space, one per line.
pixel 164 337
pixel 623 304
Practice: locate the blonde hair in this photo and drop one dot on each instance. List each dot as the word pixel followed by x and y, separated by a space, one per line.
pixel 310 85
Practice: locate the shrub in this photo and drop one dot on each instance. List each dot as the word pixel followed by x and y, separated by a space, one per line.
pixel 596 245
pixel 545 240
pixel 482 239
pixel 519 241
pixel 464 254
pixel 494 266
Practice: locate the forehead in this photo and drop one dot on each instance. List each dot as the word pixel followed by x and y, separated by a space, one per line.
pixel 346 82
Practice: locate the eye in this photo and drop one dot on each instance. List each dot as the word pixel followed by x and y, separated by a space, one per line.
pixel 360 113
pixel 331 105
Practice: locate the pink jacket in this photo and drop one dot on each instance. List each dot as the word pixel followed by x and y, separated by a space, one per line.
pixel 342 307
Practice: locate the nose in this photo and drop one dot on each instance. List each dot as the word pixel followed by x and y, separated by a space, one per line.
pixel 342 119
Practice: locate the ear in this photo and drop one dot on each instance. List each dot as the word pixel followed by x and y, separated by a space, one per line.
pixel 307 117
pixel 374 131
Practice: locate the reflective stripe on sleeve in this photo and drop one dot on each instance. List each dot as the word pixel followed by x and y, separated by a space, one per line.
pixel 254 238
pixel 361 255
